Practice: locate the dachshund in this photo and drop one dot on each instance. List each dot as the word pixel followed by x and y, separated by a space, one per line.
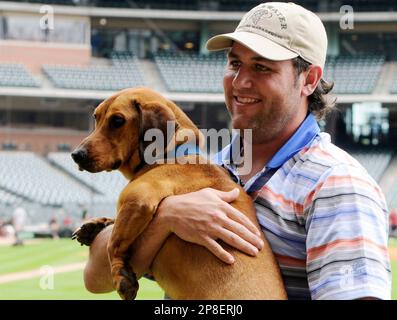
pixel 184 270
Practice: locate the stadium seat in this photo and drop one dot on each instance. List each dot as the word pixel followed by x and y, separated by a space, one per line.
pixel 391 196
pixel 393 88
pixel 8 198
pixel 375 161
pixel 187 72
pixel 107 185
pixel 28 176
pixel 16 75
pixel 123 73
pixel 354 74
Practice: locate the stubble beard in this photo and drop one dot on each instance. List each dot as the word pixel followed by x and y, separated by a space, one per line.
pixel 264 130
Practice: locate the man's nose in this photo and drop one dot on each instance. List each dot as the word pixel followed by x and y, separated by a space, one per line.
pixel 242 79
pixel 80 155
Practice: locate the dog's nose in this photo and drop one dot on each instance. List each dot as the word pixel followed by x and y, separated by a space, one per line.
pixel 80 156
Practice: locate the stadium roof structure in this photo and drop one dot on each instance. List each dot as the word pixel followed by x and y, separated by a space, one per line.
pixel 46 91
pixel 176 14
pixel 176 96
pixel 101 95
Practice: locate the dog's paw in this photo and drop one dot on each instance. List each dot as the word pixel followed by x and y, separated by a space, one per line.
pixel 89 230
pixel 126 283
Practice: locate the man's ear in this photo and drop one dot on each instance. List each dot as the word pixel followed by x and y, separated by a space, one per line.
pixel 313 76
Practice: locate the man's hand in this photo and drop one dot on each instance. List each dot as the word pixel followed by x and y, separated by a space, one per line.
pixel 200 217
pixel 205 216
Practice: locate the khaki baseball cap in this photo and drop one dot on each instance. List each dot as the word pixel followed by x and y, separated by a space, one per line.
pixel 278 31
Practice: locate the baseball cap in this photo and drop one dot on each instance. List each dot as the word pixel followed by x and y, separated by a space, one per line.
pixel 278 31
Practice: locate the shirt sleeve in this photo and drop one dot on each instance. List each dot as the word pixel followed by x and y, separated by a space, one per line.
pixel 347 235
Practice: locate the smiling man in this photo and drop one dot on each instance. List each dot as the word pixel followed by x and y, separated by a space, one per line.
pixel 323 215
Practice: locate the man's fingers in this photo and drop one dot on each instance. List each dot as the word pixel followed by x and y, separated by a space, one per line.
pixel 243 233
pixel 233 213
pixel 241 218
pixel 228 196
pixel 218 251
pixel 236 241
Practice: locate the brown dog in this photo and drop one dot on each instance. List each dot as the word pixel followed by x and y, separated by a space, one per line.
pixel 184 270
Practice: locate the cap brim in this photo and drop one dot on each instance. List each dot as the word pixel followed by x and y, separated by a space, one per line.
pixel 262 46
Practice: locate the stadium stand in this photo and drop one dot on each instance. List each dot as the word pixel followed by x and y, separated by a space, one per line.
pixel 391 195
pixel 362 67
pixel 199 73
pixel 107 184
pixel 220 5
pixel 358 74
pixel 58 2
pixel 191 72
pixel 393 88
pixel 123 73
pixel 44 185
pixel 16 75
pixel 29 176
pixel 8 198
pixel 374 161
pixel 187 72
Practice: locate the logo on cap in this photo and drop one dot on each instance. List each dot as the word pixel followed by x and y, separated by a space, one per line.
pixel 267 11
pixel 256 16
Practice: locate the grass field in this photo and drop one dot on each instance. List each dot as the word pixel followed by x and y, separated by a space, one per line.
pixel 393 244
pixel 69 285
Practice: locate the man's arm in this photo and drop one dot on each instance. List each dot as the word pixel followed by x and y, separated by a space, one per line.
pixel 200 217
pixel 97 275
pixel 347 237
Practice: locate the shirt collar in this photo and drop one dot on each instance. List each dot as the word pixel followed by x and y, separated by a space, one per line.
pixel 306 132
pixel 225 155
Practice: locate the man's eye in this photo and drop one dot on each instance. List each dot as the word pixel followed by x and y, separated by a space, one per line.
pixel 260 67
pixel 116 122
pixel 234 64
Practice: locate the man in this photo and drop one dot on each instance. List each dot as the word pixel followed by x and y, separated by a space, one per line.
pixel 19 216
pixel 324 217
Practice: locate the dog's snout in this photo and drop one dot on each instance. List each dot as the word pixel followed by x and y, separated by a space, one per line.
pixel 80 156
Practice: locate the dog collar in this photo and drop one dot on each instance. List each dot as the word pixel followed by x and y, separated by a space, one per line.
pixel 182 150
pixel 185 149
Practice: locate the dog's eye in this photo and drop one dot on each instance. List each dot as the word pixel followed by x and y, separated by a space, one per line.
pixel 116 122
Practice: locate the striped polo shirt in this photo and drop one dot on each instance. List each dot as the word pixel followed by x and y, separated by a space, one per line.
pixel 325 218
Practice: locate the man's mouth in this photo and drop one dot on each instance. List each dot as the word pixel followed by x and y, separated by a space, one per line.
pixel 246 100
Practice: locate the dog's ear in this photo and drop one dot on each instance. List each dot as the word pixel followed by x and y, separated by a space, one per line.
pixel 155 116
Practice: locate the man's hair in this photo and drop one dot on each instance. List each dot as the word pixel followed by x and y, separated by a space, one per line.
pixel 319 104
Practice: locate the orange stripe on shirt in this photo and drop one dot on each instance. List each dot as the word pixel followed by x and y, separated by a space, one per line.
pixel 315 252
pixel 338 181
pixel 290 261
pixel 298 208
pixel 274 198
pixel 321 153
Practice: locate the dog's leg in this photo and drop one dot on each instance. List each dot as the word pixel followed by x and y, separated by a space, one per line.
pixel 89 230
pixel 133 217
